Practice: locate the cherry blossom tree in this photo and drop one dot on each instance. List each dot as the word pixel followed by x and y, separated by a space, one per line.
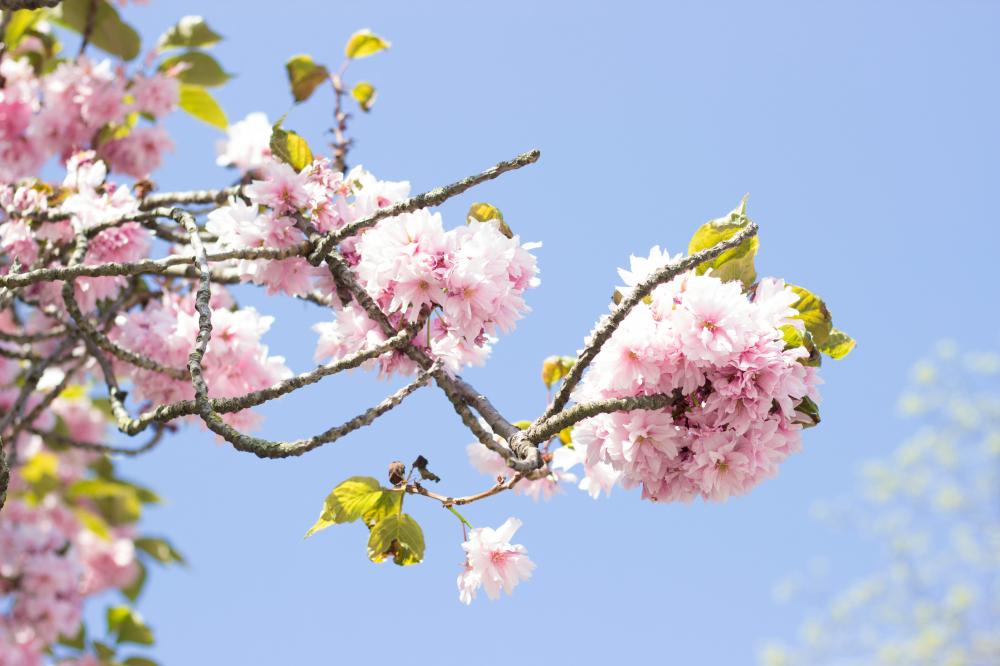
pixel 115 311
pixel 933 596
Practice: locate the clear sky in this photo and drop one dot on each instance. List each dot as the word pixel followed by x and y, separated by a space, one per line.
pixel 867 136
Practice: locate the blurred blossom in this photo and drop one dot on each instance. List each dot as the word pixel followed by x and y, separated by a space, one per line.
pixel 933 505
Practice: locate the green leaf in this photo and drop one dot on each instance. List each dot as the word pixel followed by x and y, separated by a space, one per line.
pixel 196 101
pixel 735 264
pixel 364 43
pixel 110 33
pixel 555 368
pixel 129 626
pixel 190 32
pixel 133 591
pixel 811 412
pixel 838 344
pixel 289 147
pixel 813 312
pixel 203 70
pixel 365 93
pixel 357 497
pixel 399 536
pixel 139 661
pixel 105 652
pixel 78 642
pixel 304 75
pixel 159 549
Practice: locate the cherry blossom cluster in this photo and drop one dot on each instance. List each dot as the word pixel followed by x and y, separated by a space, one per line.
pixel 51 560
pixel 723 355
pixel 471 278
pixel 80 105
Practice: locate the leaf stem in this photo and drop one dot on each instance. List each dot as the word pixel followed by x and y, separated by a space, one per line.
pixel 460 516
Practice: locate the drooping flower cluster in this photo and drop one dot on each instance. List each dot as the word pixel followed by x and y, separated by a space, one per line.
pixel 493 563
pixel 736 387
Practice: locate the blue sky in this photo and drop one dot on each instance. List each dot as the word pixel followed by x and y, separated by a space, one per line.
pixel 866 135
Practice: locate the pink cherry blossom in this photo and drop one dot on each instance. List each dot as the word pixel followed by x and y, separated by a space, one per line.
pixel 248 146
pixel 493 562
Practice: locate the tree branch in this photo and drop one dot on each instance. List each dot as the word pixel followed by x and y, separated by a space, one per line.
pixel 4 475
pixel 75 270
pixel 541 432
pixel 87 329
pixel 219 197
pixel 14 5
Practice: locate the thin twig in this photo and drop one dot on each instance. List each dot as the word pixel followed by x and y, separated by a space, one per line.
pixel 417 489
pixel 88 28
pixel 60 440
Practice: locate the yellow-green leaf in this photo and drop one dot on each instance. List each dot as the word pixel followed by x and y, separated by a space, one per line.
pixel 838 344
pixel 78 641
pixel 139 661
pixel 196 101
pixel 109 32
pixel 365 43
pixel 397 536
pixel 105 652
pixel 565 435
pixel 159 549
pixel 133 590
pixel 735 264
pixel 21 21
pixel 795 338
pixel 93 522
pixel 484 212
pixel 555 368
pixel 357 497
pixel 365 93
pixel 813 312
pixel 129 626
pixel 190 32
pixel 289 147
pixel 200 69
pixel 304 75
